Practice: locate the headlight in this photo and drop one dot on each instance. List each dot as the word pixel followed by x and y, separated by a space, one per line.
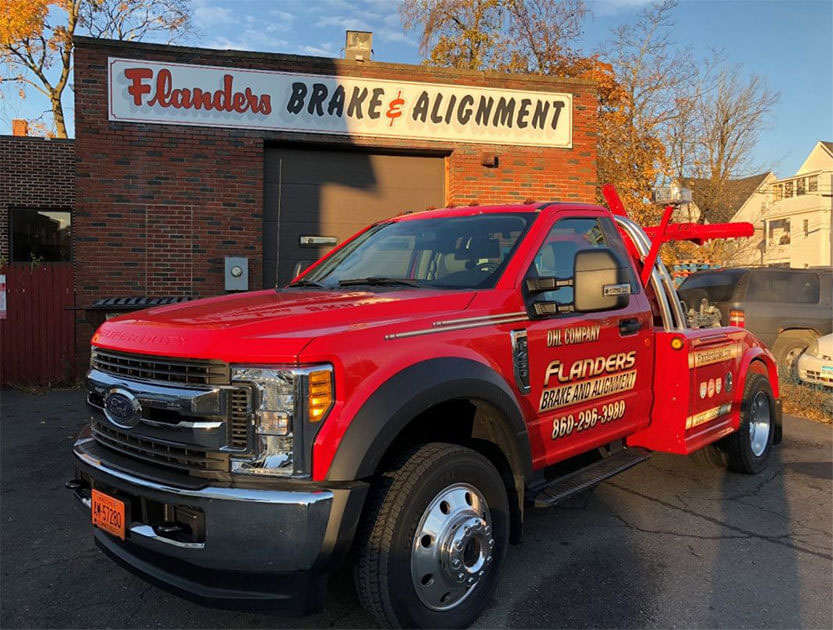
pixel 813 349
pixel 288 407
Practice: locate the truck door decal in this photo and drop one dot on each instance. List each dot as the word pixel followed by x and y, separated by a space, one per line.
pixel 588 379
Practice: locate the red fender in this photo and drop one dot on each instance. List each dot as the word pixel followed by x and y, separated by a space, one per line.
pixel 757 360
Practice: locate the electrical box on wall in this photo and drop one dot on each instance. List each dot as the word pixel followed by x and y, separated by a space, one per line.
pixel 237 273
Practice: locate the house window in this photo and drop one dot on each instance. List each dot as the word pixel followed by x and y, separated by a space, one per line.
pixel 40 235
pixel 800 186
pixel 788 189
pixel 779 232
pixel 779 191
pixel 813 183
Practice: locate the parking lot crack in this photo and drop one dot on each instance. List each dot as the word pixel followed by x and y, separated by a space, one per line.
pixel 783 540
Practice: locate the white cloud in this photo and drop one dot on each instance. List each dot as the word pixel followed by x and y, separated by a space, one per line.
pixel 612 7
pixel 286 16
pixel 385 29
pixel 250 39
pixel 206 15
pixel 327 49
pixel 345 23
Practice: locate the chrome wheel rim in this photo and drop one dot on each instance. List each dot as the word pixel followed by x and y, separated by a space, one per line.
pixel 759 423
pixel 453 547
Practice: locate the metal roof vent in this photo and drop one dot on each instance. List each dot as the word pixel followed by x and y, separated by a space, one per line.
pixel 359 46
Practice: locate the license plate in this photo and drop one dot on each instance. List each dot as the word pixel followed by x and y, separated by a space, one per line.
pixel 108 513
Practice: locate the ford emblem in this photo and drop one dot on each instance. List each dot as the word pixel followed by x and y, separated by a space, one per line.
pixel 122 408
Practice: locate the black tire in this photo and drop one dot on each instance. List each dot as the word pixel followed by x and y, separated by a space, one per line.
pixel 710 456
pixel 739 447
pixel 789 346
pixel 396 507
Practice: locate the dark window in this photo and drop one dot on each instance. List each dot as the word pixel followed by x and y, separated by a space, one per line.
pixel 783 286
pixel 40 235
pixel 800 186
pixel 557 255
pixel 813 183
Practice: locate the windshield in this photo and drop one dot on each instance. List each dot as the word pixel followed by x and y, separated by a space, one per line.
pixel 466 252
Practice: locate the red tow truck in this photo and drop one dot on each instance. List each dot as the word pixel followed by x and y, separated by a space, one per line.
pixel 407 399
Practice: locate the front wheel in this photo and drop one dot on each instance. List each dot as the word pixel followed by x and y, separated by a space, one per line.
pixel 748 449
pixel 433 539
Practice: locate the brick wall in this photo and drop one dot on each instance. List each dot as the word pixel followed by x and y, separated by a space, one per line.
pixel 160 206
pixel 34 173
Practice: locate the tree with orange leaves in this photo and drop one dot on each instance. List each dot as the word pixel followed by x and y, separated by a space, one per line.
pixel 36 37
pixel 639 73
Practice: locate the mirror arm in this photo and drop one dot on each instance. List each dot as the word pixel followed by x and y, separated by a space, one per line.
pixel 552 308
pixel 541 285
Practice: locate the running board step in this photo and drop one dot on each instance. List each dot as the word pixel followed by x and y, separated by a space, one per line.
pixel 589 476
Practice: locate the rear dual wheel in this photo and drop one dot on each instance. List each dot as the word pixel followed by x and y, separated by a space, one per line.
pixel 433 539
pixel 748 449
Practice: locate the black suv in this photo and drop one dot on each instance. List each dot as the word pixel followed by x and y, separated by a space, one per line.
pixel 786 308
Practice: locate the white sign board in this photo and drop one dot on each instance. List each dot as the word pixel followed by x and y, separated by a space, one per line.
pixel 179 94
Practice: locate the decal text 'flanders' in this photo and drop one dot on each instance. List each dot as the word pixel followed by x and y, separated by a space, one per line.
pixel 588 379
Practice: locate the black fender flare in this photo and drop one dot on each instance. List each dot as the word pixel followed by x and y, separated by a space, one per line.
pixel 410 392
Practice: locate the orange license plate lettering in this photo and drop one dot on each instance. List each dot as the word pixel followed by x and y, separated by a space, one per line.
pixel 108 514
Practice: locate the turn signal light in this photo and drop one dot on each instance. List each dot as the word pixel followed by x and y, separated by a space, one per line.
pixel 737 318
pixel 319 395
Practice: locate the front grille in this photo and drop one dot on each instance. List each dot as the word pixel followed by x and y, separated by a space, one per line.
pixel 167 369
pixel 819 376
pixel 175 456
pixel 238 436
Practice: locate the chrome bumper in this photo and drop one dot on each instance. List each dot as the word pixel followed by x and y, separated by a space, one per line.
pixel 260 545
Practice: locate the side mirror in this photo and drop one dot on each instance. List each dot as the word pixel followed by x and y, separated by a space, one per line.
pixel 299 267
pixel 601 282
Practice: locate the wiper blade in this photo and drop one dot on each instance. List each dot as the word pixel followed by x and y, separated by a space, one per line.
pixel 306 283
pixel 377 281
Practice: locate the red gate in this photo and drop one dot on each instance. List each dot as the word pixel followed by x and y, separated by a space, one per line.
pixel 37 337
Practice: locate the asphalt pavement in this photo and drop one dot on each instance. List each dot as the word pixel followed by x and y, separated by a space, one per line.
pixel 665 544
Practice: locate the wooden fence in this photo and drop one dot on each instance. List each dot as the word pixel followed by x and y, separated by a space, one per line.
pixel 37 337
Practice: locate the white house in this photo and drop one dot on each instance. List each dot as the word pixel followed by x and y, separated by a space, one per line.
pixel 744 199
pixel 797 224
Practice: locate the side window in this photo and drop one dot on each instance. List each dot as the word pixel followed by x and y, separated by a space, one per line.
pixel 614 240
pixel 783 286
pixel 40 235
pixel 556 257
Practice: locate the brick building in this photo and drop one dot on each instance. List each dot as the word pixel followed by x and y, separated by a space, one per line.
pixel 37 198
pixel 36 177
pixel 188 156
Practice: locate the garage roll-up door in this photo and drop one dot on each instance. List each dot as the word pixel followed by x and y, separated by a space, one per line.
pixel 335 194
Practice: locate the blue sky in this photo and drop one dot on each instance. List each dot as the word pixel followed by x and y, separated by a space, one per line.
pixel 787 41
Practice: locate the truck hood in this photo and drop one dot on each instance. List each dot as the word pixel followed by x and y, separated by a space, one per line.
pixel 268 326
